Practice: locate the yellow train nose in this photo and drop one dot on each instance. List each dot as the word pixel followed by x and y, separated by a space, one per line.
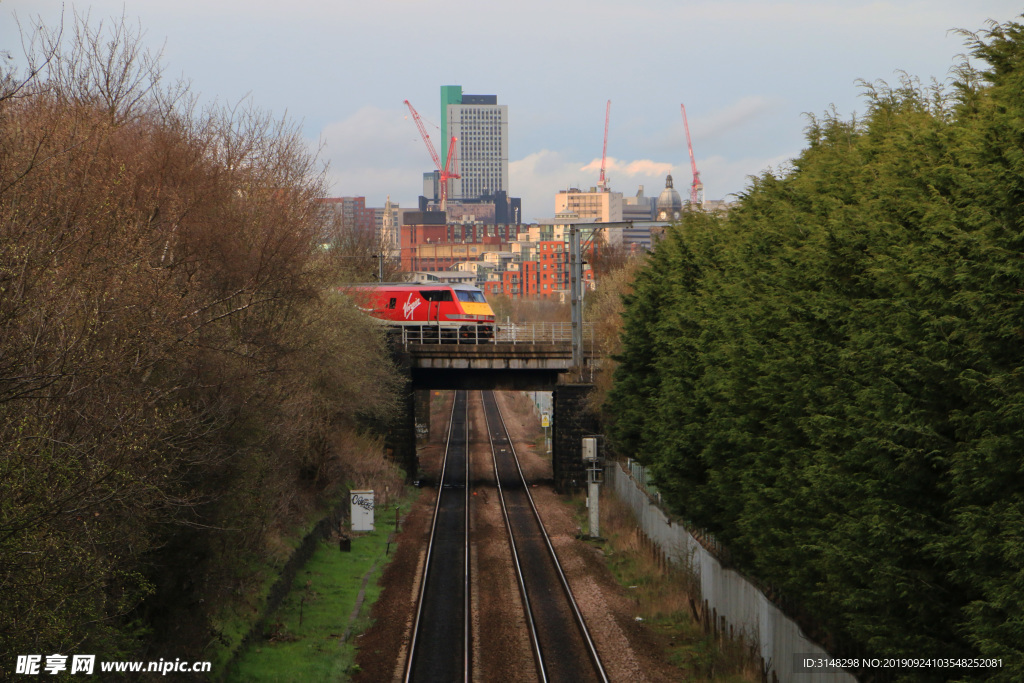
pixel 472 308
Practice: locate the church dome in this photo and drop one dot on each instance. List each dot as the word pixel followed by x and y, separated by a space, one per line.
pixel 670 204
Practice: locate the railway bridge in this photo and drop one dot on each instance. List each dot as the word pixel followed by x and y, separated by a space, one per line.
pixel 531 357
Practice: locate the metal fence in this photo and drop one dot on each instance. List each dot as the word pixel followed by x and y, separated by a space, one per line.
pixel 639 474
pixel 542 333
pixel 431 334
pixel 504 333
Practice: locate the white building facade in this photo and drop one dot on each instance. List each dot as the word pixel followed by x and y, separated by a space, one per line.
pixel 481 126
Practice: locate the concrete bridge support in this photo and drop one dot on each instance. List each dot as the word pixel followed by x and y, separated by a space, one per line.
pixel 572 421
pixel 421 412
pixel 400 434
pixel 497 367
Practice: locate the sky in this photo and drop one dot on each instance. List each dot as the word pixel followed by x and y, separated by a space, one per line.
pixel 748 71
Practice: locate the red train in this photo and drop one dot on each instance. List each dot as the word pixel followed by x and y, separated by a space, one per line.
pixel 428 312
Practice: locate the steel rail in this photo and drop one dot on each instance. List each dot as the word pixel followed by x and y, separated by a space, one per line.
pixel 591 648
pixel 417 622
pixel 467 642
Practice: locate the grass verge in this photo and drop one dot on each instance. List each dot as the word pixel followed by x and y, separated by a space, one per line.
pixel 311 636
pixel 662 596
pixel 250 586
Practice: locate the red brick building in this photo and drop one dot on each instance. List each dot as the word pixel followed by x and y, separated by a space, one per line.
pixel 493 287
pixel 429 242
pixel 512 283
pixel 354 215
pixel 520 280
pixel 531 279
pixel 553 273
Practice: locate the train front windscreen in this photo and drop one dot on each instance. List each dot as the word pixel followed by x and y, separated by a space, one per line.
pixel 470 295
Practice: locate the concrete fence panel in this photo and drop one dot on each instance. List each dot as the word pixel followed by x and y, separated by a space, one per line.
pixel 727 592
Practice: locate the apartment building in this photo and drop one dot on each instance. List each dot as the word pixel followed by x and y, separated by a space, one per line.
pixel 553 271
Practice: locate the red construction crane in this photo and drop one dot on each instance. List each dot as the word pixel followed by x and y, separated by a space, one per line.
pixel 697 189
pixel 604 150
pixel 450 168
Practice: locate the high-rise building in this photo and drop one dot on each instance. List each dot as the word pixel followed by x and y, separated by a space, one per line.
pixel 481 126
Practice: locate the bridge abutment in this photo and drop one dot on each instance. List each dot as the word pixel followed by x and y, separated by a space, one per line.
pixel 573 420
pixel 400 434
pixel 499 367
pixel 421 412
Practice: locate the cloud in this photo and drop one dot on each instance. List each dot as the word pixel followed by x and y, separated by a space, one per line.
pixel 539 176
pixel 716 125
pixel 640 167
pixel 536 178
pixel 396 171
pixel 544 162
pixel 376 152
pixel 736 115
pixel 377 138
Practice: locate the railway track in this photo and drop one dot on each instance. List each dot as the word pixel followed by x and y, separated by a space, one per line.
pixel 441 646
pixel 563 648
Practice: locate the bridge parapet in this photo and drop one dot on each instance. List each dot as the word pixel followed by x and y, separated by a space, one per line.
pixel 509 333
pixel 497 356
pixel 542 333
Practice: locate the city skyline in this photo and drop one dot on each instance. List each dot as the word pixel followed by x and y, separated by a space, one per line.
pixel 747 71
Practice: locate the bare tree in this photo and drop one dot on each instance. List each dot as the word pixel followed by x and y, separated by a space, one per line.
pixel 172 368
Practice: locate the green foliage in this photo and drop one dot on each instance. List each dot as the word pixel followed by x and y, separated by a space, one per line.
pixel 830 378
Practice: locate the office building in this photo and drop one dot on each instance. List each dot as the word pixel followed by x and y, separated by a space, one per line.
pixel 481 126
pixel 595 205
pixel 638 208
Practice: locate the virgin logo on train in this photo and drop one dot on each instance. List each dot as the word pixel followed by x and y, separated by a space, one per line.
pixel 410 306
